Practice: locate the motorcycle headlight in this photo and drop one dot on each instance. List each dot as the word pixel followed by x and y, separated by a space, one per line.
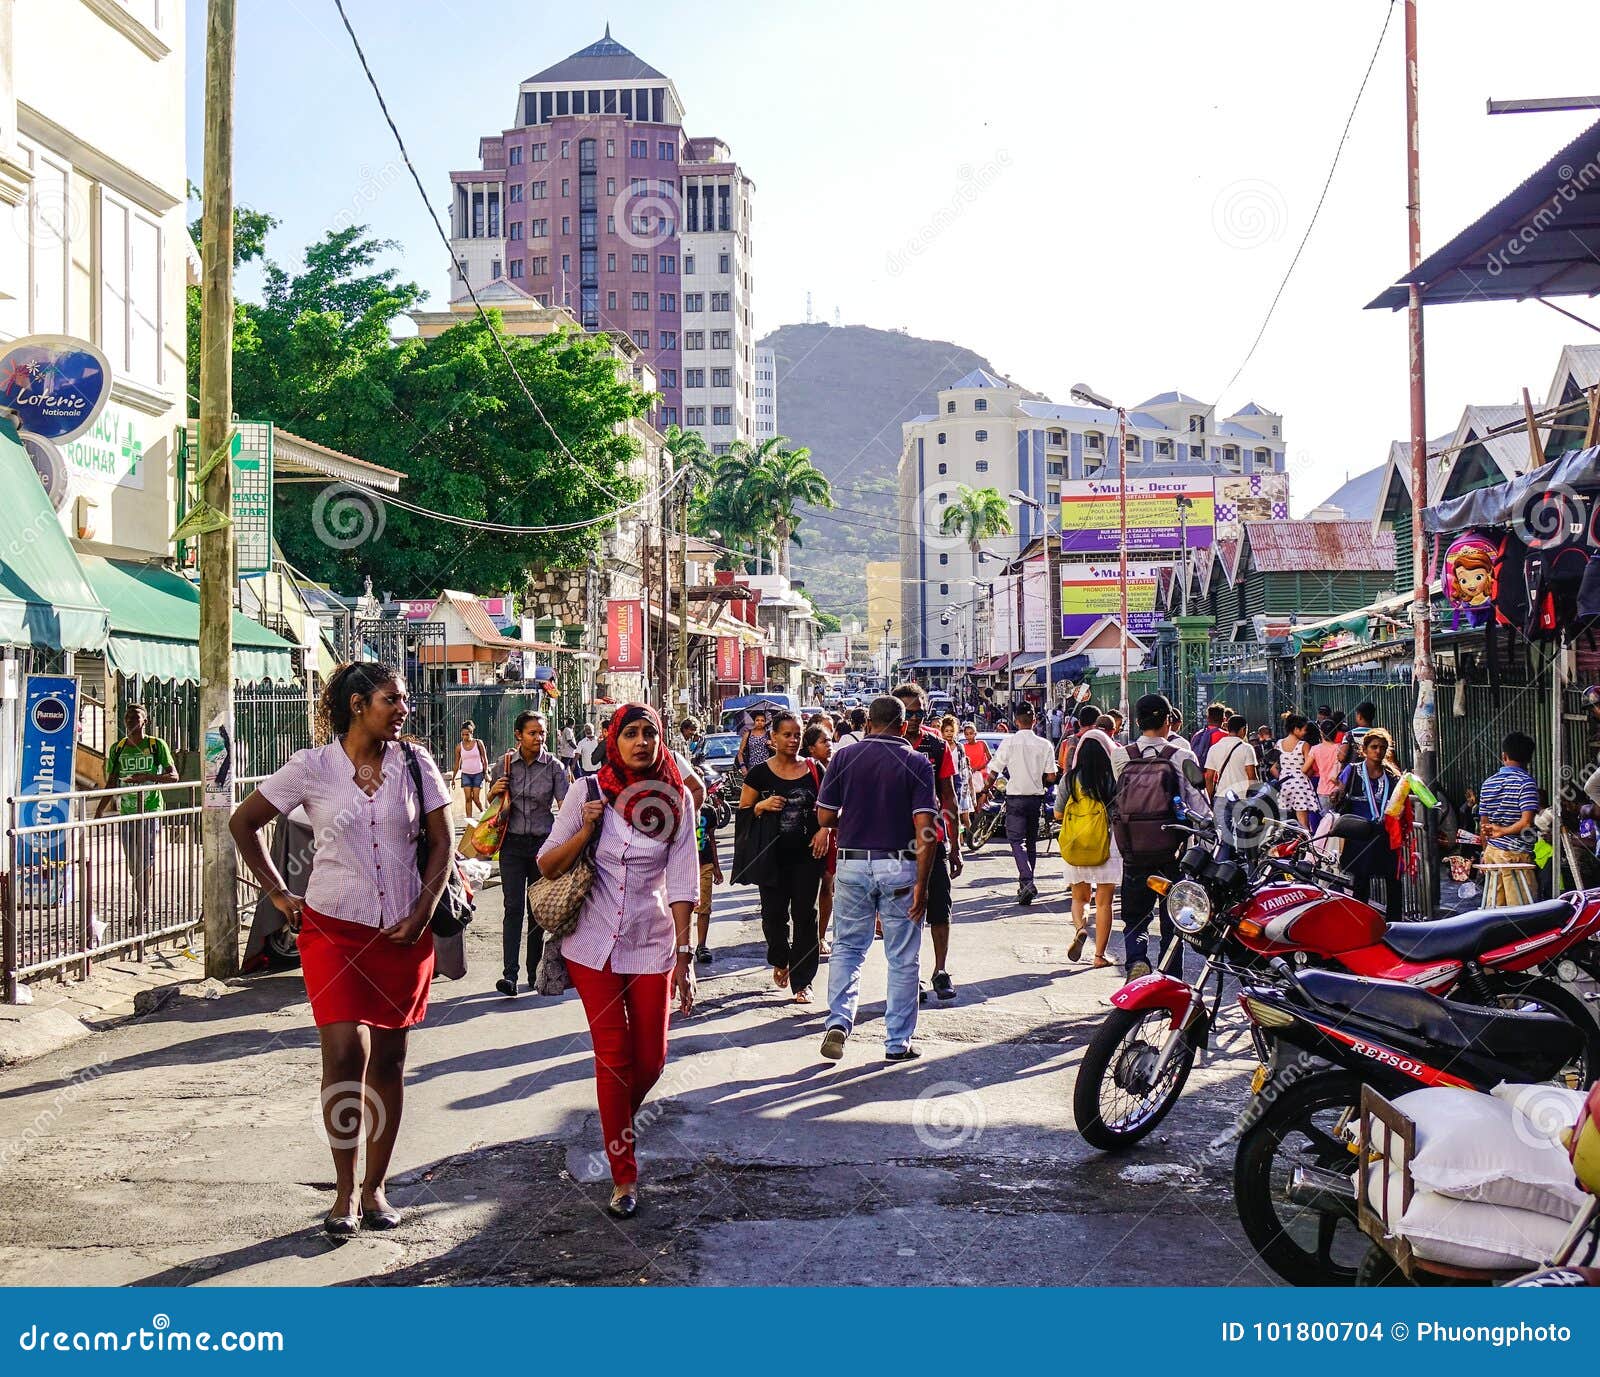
pixel 1189 906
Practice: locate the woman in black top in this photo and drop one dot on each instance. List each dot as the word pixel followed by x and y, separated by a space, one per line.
pixel 783 792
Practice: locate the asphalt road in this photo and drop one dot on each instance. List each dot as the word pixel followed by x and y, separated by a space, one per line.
pixel 186 1147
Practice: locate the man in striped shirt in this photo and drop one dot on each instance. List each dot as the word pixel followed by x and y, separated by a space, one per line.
pixel 1506 807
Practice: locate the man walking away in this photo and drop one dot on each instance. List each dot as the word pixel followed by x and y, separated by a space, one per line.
pixel 591 751
pixel 1231 763
pixel 1153 785
pixel 947 848
pixel 857 728
pixel 536 785
pixel 879 795
pixel 1211 731
pixel 1030 767
pixel 1507 804
pixel 139 758
pixel 1366 719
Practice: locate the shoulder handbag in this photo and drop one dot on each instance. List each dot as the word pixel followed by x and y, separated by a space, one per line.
pixel 483 839
pixel 556 903
pixel 454 910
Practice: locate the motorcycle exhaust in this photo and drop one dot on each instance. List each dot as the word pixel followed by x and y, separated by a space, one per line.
pixel 1319 1189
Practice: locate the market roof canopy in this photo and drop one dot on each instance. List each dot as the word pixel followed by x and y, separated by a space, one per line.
pixel 1541 240
pixel 45 601
pixel 155 626
pixel 1530 500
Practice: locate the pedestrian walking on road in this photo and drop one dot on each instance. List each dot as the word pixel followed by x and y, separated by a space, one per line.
pixel 1157 782
pixel 366 949
pixel 947 849
pixel 779 799
pixel 879 797
pixel 1083 804
pixel 817 745
pixel 948 728
pixel 567 748
pixel 1298 793
pixel 591 752
pixel 1029 765
pixel 630 953
pixel 755 745
pixel 710 878
pixel 469 768
pixel 1508 803
pixel 536 784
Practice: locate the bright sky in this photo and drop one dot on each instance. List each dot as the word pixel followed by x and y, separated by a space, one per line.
pixel 1079 191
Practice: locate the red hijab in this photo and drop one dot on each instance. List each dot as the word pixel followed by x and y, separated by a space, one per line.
pixel 650 799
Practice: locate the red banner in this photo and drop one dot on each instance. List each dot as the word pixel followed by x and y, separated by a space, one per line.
pixel 624 638
pixel 727 659
pixel 755 667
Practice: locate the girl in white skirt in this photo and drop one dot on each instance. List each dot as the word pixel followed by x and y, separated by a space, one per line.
pixel 1092 777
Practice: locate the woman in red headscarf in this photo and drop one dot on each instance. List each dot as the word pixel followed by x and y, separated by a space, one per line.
pixel 630 953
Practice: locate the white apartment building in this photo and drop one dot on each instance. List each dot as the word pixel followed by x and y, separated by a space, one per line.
pixel 766 415
pixel 718 322
pixel 985 433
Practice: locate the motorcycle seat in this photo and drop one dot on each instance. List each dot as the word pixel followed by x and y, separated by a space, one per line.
pixel 1469 934
pixel 1512 1035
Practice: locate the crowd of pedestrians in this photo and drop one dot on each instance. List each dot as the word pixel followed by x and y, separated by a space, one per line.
pixel 850 831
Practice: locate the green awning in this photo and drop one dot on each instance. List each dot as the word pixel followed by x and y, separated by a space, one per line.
pixel 46 603
pixel 155 626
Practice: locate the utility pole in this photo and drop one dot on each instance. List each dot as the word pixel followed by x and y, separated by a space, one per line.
pixel 664 660
pixel 1122 555
pixel 219 890
pixel 1424 721
pixel 683 603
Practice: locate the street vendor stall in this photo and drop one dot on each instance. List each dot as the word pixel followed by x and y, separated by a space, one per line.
pixel 1523 559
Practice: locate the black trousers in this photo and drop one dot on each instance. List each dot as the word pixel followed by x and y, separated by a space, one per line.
pixel 1394 898
pixel 1140 904
pixel 789 921
pixel 517 869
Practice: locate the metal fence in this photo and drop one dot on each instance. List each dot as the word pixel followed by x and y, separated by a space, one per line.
pixel 101 885
pixel 271 721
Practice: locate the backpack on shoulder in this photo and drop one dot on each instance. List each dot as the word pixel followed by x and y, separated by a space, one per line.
pixel 1144 805
pixel 1085 838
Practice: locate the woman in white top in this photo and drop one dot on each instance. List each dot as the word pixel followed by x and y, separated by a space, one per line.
pixel 366 949
pixel 1298 793
pixel 470 767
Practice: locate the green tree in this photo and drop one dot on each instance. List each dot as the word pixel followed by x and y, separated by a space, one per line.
pixel 316 357
pixel 783 479
pixel 977 514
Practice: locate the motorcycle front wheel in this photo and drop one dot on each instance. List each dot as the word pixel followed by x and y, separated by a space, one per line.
pixel 1300 1125
pixel 1115 1102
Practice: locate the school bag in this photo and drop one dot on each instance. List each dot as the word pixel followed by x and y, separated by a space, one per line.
pixel 1085 838
pixel 1144 804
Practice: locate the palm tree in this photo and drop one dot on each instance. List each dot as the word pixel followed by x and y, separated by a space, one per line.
pixel 783 479
pixel 728 505
pixel 978 514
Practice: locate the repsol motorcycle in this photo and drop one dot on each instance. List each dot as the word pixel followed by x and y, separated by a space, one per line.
pixel 1321 1034
pixel 1241 910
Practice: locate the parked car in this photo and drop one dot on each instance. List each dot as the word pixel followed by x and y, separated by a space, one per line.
pixel 717 750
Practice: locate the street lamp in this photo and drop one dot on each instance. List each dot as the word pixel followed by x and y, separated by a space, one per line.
pixel 1082 392
pixel 888 622
pixel 1184 503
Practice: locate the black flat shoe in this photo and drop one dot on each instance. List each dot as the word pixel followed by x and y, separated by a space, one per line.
pixel 386 1218
pixel 910 1054
pixel 342 1226
pixel 506 987
pixel 623 1205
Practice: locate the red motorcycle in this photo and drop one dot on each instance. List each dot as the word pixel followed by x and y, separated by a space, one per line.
pixel 1243 912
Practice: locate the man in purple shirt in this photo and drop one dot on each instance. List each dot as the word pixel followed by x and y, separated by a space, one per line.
pixel 879 795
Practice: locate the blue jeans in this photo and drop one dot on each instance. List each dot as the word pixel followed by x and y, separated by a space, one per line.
pixel 864 891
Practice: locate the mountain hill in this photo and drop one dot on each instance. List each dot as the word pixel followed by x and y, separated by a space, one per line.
pixel 843 392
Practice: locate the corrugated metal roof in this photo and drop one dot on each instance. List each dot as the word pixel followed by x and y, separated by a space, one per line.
pixel 1320 546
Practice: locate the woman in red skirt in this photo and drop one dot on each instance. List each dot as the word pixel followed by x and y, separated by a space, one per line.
pixel 366 949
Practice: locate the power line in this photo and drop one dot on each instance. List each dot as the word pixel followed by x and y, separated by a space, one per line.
pixel 1317 210
pixel 433 215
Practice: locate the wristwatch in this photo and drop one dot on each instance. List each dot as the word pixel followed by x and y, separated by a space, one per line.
pixel 685 951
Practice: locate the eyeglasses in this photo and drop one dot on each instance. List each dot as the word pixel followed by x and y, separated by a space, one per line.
pixel 918 713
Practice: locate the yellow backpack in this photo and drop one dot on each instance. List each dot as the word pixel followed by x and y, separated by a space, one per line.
pixel 1085 837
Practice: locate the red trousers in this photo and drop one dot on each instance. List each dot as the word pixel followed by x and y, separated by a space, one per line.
pixel 628 1024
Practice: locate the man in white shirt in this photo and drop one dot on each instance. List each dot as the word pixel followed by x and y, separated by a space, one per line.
pixel 1231 764
pixel 1029 763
